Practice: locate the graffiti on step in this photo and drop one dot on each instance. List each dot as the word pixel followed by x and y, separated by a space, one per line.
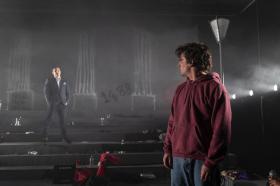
pixel 113 95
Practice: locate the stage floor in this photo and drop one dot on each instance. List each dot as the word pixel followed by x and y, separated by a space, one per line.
pixel 157 182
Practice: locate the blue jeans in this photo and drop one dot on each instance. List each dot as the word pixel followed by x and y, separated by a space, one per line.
pixel 186 172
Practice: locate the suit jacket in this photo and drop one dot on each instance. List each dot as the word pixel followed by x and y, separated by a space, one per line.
pixel 55 94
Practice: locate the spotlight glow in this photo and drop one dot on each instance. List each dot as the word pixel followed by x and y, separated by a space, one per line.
pixel 275 87
pixel 233 96
pixel 251 92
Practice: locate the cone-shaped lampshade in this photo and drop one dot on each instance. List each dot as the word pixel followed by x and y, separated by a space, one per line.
pixel 219 27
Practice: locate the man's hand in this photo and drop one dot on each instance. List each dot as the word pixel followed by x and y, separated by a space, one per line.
pixel 167 160
pixel 274 182
pixel 204 172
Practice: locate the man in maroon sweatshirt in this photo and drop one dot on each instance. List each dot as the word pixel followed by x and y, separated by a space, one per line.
pixel 199 125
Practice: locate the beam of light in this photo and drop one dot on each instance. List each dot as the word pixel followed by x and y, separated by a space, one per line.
pixel 251 92
pixel 275 87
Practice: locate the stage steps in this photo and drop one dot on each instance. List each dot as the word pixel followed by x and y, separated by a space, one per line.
pixel 22 148
pixel 82 135
pixel 136 140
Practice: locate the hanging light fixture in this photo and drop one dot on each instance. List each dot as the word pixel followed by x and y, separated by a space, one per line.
pixel 219 27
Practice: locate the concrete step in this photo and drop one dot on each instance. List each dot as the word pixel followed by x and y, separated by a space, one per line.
pixel 126 174
pixel 79 147
pixel 126 159
pixel 85 135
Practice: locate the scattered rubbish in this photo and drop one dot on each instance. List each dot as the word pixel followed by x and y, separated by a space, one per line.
pixel 121 152
pixel 104 157
pixel 91 160
pixel 161 136
pixel 159 131
pixel 34 153
pixel 102 121
pixel 17 122
pixel 148 175
pixel 108 116
pixel 145 131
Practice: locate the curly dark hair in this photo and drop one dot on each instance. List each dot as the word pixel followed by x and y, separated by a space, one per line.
pixel 197 54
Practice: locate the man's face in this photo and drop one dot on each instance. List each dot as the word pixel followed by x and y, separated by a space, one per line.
pixel 184 67
pixel 56 72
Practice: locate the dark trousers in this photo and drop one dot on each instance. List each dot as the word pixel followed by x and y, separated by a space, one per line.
pixel 59 109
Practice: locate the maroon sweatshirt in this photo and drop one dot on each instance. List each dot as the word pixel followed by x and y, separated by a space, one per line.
pixel 199 125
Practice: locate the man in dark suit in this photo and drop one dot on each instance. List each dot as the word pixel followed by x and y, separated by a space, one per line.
pixel 57 95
